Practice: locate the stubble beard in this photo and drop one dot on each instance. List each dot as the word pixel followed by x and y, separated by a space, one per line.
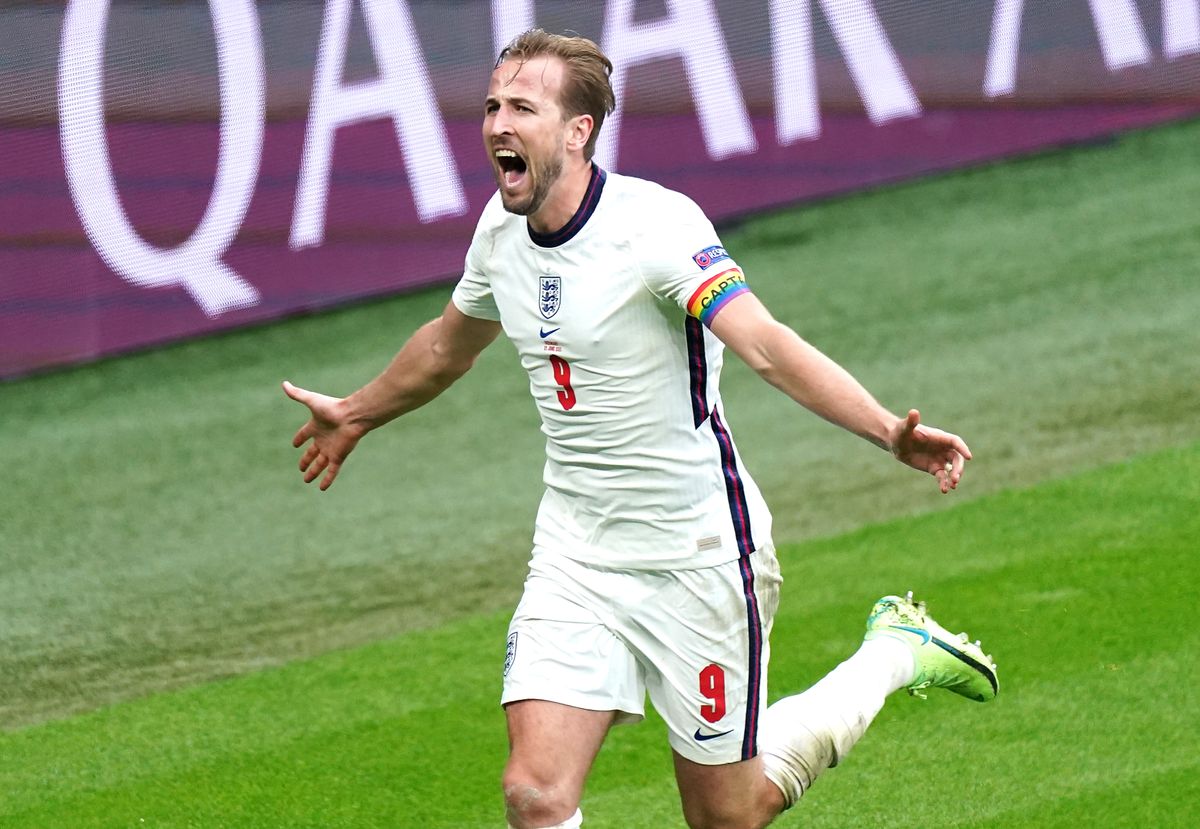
pixel 544 175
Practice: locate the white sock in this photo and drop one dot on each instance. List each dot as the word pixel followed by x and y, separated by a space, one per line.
pixel 805 734
pixel 891 658
pixel 573 822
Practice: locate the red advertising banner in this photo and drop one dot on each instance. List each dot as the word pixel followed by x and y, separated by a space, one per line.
pixel 174 168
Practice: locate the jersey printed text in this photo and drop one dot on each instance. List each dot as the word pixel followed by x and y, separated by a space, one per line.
pixel 710 297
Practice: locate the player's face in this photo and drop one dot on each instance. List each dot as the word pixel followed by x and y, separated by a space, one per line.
pixel 524 131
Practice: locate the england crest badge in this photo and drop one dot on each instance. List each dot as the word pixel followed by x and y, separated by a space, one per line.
pixel 549 294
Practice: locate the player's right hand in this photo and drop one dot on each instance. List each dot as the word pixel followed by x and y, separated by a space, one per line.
pixel 331 431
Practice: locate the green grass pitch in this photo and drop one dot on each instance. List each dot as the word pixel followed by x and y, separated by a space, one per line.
pixel 189 637
pixel 1074 583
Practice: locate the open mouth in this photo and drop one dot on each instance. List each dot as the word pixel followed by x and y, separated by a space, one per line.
pixel 512 167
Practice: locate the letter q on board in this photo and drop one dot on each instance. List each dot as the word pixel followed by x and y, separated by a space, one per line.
pixel 196 264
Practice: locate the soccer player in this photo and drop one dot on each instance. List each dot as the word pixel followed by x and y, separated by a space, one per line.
pixel 652 570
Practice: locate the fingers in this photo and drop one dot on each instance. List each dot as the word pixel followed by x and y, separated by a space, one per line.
pixel 296 393
pixel 313 461
pixel 933 437
pixel 301 396
pixel 904 437
pixel 957 463
pixel 302 434
pixel 949 472
pixel 309 399
pixel 330 475
pixel 955 455
pixel 955 443
pixel 310 455
pixel 944 472
pixel 942 454
pixel 322 464
pixel 314 468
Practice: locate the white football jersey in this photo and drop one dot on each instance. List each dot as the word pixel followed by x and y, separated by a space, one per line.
pixel 608 315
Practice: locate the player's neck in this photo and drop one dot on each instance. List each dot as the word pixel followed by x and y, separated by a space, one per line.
pixel 564 198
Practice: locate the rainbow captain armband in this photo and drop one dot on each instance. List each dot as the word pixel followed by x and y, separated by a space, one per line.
pixel 713 295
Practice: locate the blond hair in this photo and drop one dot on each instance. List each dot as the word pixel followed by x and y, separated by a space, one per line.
pixel 586 90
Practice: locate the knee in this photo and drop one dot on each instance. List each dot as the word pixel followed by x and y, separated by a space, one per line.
pixel 713 820
pixel 719 821
pixel 532 801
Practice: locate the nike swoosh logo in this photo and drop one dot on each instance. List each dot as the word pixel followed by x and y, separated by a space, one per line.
pixel 702 737
pixel 543 333
pixel 924 634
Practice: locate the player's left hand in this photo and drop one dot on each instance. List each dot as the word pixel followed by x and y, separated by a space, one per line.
pixel 931 450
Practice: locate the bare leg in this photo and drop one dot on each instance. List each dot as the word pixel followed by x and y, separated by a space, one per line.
pixel 552 747
pixel 730 796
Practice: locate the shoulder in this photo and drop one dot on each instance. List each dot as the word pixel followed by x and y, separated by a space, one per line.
pixel 494 216
pixel 664 227
pixel 493 221
pixel 649 202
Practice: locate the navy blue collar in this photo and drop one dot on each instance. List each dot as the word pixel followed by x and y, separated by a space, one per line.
pixel 587 207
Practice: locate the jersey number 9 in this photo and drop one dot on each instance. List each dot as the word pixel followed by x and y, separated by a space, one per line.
pixel 712 688
pixel 562 376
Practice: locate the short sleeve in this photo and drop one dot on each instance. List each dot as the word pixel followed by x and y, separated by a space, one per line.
pixel 684 262
pixel 473 293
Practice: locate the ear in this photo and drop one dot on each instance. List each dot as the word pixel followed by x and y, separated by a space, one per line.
pixel 579 130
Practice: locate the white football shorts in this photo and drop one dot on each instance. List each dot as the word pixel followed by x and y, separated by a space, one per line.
pixel 695 640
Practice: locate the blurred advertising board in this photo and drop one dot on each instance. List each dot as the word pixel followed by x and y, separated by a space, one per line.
pixel 175 167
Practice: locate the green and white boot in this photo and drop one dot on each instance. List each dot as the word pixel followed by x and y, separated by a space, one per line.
pixel 942 659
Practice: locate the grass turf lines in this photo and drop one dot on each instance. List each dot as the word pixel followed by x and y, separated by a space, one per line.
pixel 155 533
pixel 1075 585
pixel 155 537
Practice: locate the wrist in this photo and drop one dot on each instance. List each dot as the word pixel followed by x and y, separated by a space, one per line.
pixel 351 415
pixel 891 430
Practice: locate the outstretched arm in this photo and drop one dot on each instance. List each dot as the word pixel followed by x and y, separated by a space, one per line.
pixel 434 357
pixel 819 384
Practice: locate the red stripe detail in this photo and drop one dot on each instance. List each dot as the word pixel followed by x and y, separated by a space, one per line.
pixel 734 491
pixel 698 374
